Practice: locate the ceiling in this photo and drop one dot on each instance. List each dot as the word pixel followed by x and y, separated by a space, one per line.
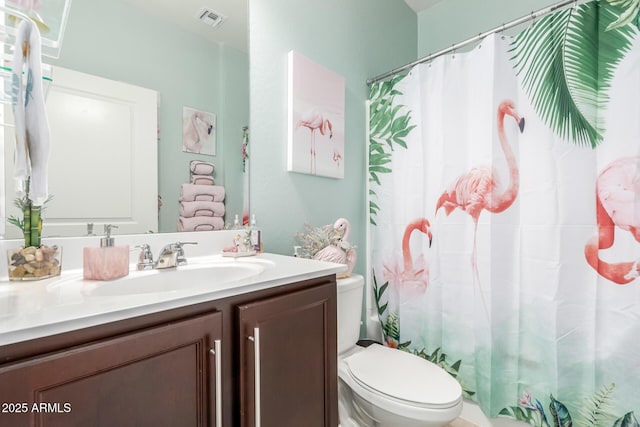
pixel 420 5
pixel 233 30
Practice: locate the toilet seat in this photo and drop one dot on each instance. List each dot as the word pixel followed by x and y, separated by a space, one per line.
pixel 387 375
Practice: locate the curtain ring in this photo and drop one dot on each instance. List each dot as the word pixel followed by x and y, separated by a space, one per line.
pixel 502 32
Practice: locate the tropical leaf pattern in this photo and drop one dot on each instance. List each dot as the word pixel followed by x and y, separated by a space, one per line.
pixel 389 125
pixel 532 412
pixel 596 411
pixel 567 61
pixel 630 15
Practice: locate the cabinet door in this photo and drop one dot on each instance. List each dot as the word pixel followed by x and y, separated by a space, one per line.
pixel 288 367
pixel 162 376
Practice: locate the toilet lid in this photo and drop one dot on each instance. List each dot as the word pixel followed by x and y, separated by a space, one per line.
pixel 404 376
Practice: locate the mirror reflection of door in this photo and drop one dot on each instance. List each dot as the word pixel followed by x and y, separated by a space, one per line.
pixel 103 162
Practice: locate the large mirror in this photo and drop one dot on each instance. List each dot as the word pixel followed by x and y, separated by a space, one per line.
pixel 164 47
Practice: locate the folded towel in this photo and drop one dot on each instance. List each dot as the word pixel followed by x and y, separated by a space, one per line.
pixel 202 179
pixel 30 115
pixel 201 208
pixel 199 167
pixel 200 223
pixel 193 192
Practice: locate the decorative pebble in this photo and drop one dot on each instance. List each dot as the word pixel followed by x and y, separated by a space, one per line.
pixel 33 263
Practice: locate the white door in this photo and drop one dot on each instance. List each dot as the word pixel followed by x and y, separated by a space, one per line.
pixel 103 164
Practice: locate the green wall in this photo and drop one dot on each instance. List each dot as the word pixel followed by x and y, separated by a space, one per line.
pixel 115 40
pixel 451 21
pixel 357 39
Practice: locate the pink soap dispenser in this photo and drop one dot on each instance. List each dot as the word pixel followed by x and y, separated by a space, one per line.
pixel 108 262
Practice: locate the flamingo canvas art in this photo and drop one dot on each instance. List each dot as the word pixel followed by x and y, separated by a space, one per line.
pixel 198 131
pixel 316 119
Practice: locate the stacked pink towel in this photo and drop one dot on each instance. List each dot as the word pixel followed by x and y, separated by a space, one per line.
pixel 202 180
pixel 201 208
pixel 195 192
pixel 200 223
pixel 201 201
pixel 201 172
pixel 201 168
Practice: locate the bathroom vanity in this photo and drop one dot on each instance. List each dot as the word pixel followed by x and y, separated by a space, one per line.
pixel 259 351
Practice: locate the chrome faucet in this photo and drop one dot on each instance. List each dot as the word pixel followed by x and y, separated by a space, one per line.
pixel 172 255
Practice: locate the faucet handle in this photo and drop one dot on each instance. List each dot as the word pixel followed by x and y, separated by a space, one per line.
pixel 145 261
pixel 181 259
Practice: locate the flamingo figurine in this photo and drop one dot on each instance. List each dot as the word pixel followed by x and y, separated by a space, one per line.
pixel 411 277
pixel 617 205
pixel 315 121
pixel 341 253
pixel 475 191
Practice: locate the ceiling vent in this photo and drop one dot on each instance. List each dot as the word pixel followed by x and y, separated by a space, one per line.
pixel 210 17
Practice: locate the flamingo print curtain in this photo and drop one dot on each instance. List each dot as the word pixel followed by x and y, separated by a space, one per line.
pixel 505 217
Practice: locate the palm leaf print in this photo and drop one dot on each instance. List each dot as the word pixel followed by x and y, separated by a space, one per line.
pixel 567 61
pixel 596 410
pixel 628 16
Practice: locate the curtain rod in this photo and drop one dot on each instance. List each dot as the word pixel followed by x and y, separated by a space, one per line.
pixel 530 17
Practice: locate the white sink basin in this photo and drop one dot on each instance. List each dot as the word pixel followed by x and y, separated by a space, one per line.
pixel 204 275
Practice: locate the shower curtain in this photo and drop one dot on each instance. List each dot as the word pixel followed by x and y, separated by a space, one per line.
pixel 505 217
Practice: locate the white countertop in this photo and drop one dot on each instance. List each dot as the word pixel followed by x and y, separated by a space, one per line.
pixel 31 310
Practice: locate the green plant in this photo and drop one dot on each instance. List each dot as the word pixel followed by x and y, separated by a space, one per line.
pixel 31 221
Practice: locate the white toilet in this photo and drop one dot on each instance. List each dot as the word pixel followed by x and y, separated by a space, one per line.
pixel 384 387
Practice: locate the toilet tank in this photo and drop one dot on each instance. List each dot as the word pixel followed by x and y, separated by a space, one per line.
pixel 349 311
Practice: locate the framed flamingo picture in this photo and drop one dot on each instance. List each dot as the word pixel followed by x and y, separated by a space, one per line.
pixel 198 131
pixel 315 119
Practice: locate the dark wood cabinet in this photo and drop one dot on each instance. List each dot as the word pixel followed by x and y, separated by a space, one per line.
pixel 288 358
pixel 190 366
pixel 162 376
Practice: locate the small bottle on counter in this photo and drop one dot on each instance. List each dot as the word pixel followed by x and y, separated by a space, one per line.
pixel 256 235
pixel 236 223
